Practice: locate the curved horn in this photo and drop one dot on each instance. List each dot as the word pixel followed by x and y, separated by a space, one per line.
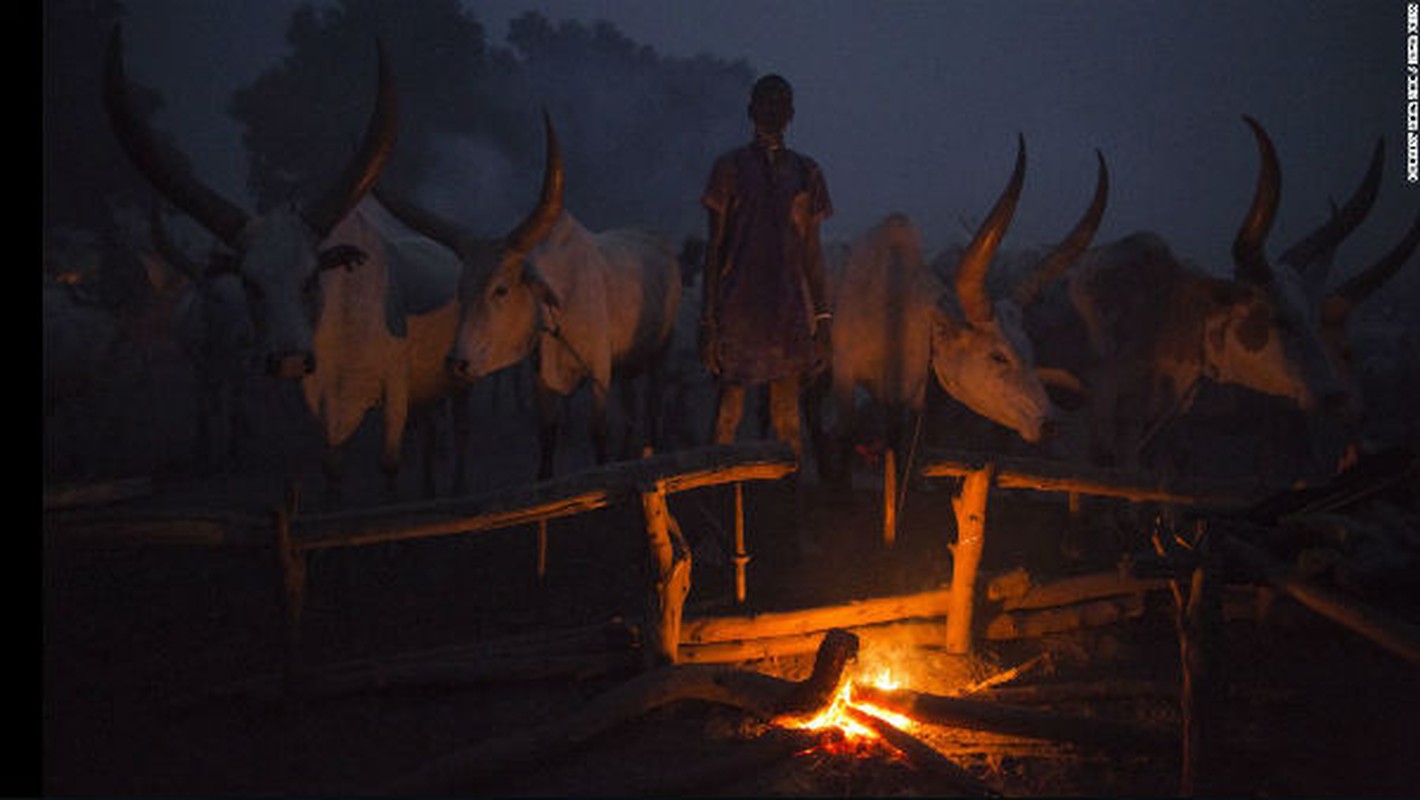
pixel 1320 244
pixel 1249 262
pixel 363 170
pixel 1064 254
pixel 549 206
pixel 425 222
pixel 1342 299
pixel 976 260
pixel 156 162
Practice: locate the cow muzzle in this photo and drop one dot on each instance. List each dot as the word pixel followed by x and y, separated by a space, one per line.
pixel 461 369
pixel 291 366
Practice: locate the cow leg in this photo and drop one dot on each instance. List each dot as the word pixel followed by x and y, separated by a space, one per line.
pixel 598 422
pixel 630 415
pixel 655 400
pixel 333 469
pixel 463 427
pixel 549 413
pixel 396 418
pixel 427 422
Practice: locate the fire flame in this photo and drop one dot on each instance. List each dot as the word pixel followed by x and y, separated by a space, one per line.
pixel 834 715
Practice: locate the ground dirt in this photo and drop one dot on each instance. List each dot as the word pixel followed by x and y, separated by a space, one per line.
pixel 141 645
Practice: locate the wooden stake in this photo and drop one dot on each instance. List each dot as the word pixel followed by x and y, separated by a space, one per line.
pixel 970 509
pixel 670 557
pixel 889 497
pixel 541 550
pixel 741 556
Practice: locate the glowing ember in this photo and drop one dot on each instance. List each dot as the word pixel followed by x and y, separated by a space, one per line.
pixel 853 734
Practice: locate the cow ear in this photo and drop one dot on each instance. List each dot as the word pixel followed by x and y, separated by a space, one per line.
pixel 341 255
pixel 544 293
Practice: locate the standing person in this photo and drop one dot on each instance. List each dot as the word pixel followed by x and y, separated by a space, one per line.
pixel 765 318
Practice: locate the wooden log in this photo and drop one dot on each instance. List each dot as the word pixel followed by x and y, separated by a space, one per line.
pixel 1397 636
pixel 762 695
pixel 1052 476
pixel 671 566
pixel 573 494
pixel 920 633
pixel 78 495
pixel 923 756
pixel 1015 720
pixel 970 509
pixel 933 603
pixel 1040 622
pixel 1081 588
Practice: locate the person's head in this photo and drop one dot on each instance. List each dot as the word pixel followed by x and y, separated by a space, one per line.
pixel 771 104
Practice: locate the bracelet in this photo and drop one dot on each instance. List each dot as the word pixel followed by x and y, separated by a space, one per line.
pixel 823 315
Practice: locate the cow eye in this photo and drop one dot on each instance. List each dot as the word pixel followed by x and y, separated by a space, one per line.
pixel 999 358
pixel 500 291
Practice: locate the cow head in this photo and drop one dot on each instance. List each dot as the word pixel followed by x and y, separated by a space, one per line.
pixel 983 357
pixel 503 301
pixel 1262 333
pixel 278 254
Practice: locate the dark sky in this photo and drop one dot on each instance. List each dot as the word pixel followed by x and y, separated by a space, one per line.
pixel 915 106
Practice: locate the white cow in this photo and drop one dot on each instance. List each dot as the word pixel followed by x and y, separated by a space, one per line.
pixel 358 312
pixel 590 306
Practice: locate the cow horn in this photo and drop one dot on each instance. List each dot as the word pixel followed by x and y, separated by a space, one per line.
pixel 420 219
pixel 976 260
pixel 1249 262
pixel 364 169
pixel 549 206
pixel 1358 287
pixel 1318 246
pixel 1064 254
pixel 157 162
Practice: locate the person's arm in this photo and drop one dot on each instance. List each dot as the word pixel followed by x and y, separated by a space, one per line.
pixel 710 296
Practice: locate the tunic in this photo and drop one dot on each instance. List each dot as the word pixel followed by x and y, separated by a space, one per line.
pixel 765 313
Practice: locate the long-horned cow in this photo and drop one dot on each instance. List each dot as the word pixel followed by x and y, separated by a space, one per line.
pixel 1157 328
pixel 329 284
pixel 591 306
pixel 895 321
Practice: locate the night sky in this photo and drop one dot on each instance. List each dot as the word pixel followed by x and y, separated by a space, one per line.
pixel 915 106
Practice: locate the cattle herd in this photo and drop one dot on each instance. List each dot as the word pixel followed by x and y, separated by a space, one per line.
pixel 1116 353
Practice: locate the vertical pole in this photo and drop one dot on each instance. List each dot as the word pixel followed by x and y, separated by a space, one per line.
pixel 889 497
pixel 292 563
pixel 670 563
pixel 1200 634
pixel 541 550
pixel 741 557
pixel 970 509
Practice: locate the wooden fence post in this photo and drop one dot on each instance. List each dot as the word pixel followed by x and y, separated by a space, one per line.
pixel 741 556
pixel 970 509
pixel 670 558
pixel 292 563
pixel 889 497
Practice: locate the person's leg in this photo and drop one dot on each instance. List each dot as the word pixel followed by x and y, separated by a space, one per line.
pixel 731 410
pixel 784 410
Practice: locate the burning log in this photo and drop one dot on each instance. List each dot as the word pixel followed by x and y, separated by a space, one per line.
pixel 762 695
pixel 920 633
pixel 923 756
pixel 1014 720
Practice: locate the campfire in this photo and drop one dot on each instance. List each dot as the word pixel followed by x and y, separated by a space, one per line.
pixel 842 716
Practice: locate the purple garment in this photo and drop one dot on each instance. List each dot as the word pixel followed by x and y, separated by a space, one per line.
pixel 764 313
